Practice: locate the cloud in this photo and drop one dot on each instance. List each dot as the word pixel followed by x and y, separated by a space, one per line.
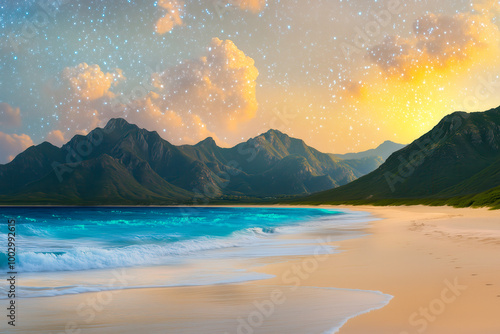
pixel 89 83
pixel 12 145
pixel 253 6
pixel 353 89
pixel 9 116
pixel 210 96
pixel 179 128
pixel 174 10
pixel 220 87
pixel 487 7
pixel 82 95
pixel 439 41
pixel 207 97
pixel 56 138
pixel 412 82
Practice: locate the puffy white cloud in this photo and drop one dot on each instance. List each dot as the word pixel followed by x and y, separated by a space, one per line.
pixel 12 145
pixel 9 116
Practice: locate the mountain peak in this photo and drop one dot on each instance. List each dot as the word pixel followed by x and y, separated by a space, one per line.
pixel 275 132
pixel 384 150
pixel 389 143
pixel 457 163
pixel 119 123
pixel 207 142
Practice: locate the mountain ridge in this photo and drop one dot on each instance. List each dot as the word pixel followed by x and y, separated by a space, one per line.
pixel 459 157
pixel 134 165
pixel 384 150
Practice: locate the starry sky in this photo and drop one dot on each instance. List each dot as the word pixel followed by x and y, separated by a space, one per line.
pixel 342 75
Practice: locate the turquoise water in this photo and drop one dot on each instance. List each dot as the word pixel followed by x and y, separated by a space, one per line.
pixel 68 239
pixel 76 250
pixel 63 251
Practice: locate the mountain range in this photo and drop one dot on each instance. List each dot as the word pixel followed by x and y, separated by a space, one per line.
pixel 384 151
pixel 123 164
pixel 457 162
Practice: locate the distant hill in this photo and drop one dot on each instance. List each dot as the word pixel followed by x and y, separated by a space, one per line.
pixel 365 165
pixel 458 160
pixel 123 164
pixel 384 150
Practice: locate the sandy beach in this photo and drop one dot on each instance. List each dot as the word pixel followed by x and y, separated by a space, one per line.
pixel 440 264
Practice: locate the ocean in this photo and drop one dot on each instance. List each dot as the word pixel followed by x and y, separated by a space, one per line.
pixel 65 251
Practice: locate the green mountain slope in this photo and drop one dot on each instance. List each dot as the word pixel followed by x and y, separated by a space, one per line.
pixel 28 166
pixel 123 164
pixel 459 157
pixel 366 165
pixel 103 180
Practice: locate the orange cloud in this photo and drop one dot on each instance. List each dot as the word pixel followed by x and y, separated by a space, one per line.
pixel 487 7
pixel 173 15
pixel 83 95
pixel 220 87
pixel 89 82
pixel 198 98
pixel 439 41
pixel 413 82
pixel 178 128
pixel 9 116
pixel 12 145
pixel 253 6
pixel 209 96
pixel 56 138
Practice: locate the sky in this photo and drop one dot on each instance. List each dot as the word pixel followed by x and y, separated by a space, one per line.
pixel 342 75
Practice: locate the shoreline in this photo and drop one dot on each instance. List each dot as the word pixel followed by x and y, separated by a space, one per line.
pixel 250 205
pixel 439 263
pixel 410 253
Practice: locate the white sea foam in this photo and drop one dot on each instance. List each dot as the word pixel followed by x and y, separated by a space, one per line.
pixel 60 266
pixel 83 257
pixel 53 291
